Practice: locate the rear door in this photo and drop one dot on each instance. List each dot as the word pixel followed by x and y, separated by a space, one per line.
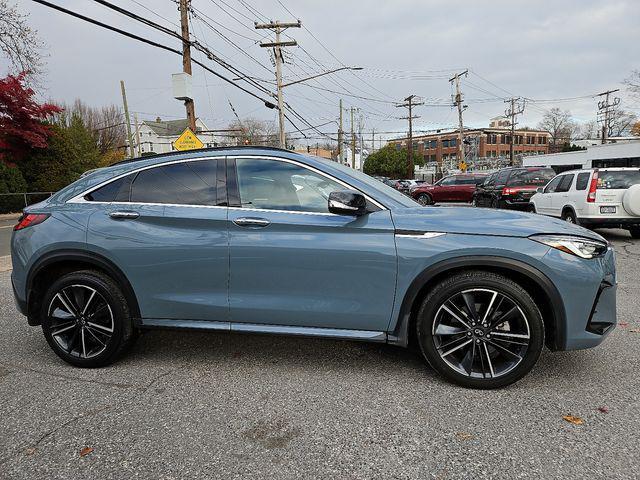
pixel 578 194
pixel 295 264
pixel 166 229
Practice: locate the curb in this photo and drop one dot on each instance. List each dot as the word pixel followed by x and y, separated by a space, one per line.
pixel 10 216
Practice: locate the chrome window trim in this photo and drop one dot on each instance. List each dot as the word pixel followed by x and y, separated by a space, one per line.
pixel 420 235
pixel 313 169
pixel 80 197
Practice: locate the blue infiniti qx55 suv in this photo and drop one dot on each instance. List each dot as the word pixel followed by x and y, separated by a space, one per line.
pixel 269 241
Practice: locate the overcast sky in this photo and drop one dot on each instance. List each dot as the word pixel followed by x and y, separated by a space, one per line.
pixel 540 50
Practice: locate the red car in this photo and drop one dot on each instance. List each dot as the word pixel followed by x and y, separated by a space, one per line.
pixel 454 188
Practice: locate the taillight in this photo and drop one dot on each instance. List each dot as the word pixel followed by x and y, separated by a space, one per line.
pixel 591 196
pixel 30 219
pixel 508 191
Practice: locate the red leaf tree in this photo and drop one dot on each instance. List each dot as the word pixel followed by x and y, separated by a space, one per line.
pixel 22 119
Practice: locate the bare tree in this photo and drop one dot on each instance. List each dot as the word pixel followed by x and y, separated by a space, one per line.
pixel 19 42
pixel 106 123
pixel 633 83
pixel 252 131
pixel 590 130
pixel 622 123
pixel 560 125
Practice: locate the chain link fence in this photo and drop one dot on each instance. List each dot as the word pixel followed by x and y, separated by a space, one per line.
pixel 15 202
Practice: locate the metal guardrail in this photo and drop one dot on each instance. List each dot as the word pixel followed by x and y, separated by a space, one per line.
pixel 26 195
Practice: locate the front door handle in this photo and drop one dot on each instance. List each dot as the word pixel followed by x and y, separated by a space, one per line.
pixel 124 214
pixel 251 222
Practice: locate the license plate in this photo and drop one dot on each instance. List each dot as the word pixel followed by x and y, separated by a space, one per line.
pixel 607 209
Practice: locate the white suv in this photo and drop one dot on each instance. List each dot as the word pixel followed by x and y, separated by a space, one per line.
pixel 595 198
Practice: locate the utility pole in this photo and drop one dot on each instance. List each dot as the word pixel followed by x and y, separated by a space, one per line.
pixel 516 107
pixel 410 103
pixel 340 135
pixel 186 59
pixel 278 28
pixel 373 140
pixel 127 119
pixel 135 119
pixel 353 142
pixel 605 109
pixel 457 101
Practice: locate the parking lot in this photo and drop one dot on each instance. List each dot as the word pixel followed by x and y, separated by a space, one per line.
pixel 213 405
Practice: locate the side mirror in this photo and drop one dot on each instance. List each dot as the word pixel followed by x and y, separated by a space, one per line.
pixel 347 203
pixel 540 189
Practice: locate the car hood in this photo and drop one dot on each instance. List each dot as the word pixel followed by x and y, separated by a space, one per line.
pixel 484 221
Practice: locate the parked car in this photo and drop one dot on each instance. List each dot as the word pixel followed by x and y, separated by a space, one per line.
pixel 405 186
pixel 265 240
pixel 595 198
pixel 511 187
pixel 454 188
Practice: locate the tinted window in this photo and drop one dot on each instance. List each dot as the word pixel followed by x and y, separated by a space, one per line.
pixel 583 180
pixel 501 177
pixel 489 180
pixel 448 181
pixel 186 183
pixel 116 191
pixel 565 183
pixel 276 185
pixel 553 185
pixel 620 179
pixel 537 177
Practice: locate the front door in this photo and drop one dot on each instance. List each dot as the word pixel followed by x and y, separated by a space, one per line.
pixel 544 202
pixel 166 228
pixel 293 263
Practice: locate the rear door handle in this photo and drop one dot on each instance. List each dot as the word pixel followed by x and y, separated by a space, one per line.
pixel 124 214
pixel 251 222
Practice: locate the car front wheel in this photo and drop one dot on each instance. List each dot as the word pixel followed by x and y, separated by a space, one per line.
pixel 480 330
pixel 86 319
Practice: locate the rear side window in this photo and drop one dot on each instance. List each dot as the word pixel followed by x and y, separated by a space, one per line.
pixel 582 180
pixel 116 191
pixel 186 183
pixel 617 179
pixel 537 177
pixel 565 183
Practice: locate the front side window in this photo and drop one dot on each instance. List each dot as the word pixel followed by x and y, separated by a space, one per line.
pixel 553 184
pixel 276 185
pixel 186 183
pixel 447 181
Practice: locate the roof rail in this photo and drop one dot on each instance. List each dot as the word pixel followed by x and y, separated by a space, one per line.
pixel 208 149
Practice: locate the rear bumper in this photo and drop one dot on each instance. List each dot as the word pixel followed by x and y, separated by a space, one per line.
pixel 517 204
pixel 610 222
pixel 21 304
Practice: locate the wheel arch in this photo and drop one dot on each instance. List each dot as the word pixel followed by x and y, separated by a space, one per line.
pixel 55 264
pixel 569 208
pixel 537 284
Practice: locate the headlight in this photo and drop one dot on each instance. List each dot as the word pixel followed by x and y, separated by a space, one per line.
pixel 579 246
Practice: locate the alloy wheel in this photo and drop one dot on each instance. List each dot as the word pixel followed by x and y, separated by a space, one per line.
pixel 80 321
pixel 424 200
pixel 481 333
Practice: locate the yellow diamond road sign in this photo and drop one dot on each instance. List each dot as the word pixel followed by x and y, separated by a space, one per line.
pixel 188 141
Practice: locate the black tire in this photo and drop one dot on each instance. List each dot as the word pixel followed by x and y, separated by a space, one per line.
pixel 568 215
pixel 494 203
pixel 531 208
pixel 62 318
pixel 425 199
pixel 635 232
pixel 479 284
pixel 474 201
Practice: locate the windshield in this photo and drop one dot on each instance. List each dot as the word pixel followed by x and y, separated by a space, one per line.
pixel 618 179
pixel 533 178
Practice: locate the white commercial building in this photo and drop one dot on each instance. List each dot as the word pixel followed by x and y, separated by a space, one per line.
pixel 158 136
pixel 597 156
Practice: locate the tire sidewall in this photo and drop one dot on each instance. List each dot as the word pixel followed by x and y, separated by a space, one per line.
pixel 449 287
pixel 115 299
pixel 569 214
pixel 427 199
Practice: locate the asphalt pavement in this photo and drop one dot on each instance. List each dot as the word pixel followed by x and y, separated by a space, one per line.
pixel 214 405
pixel 6 227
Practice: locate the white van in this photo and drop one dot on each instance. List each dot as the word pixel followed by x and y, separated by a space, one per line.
pixel 594 198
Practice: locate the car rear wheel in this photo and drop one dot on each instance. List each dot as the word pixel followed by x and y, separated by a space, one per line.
pixel 569 216
pixel 86 319
pixel 480 330
pixel 425 199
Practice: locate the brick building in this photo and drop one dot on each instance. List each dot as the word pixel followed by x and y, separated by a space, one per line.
pixel 442 147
